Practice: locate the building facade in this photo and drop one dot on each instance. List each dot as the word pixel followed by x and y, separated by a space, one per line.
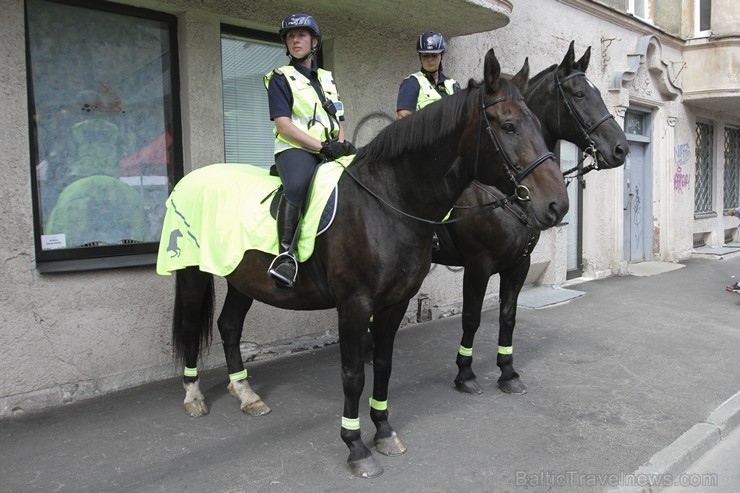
pixel 113 104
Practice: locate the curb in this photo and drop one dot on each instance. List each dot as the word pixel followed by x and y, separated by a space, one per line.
pixel 686 449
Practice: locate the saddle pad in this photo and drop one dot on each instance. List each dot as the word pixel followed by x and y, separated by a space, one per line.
pixel 218 212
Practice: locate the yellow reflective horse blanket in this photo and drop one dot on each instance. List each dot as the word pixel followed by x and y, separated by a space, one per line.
pixel 218 212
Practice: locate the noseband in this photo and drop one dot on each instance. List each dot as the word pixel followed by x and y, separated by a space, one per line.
pixel 583 127
pixel 515 175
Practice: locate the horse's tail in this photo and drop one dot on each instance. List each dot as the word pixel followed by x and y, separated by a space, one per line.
pixel 194 292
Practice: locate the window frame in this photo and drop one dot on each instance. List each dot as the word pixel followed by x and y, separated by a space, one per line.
pixel 731 166
pixel 257 36
pixel 108 256
pixel 645 5
pixel 698 32
pixel 710 169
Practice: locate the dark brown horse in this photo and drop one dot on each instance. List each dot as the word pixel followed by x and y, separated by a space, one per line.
pixel 378 251
pixel 570 108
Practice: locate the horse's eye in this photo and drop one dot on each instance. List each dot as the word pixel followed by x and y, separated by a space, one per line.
pixel 580 95
pixel 509 128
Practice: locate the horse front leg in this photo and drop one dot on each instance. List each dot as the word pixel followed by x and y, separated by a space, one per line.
pixel 384 327
pixel 475 282
pixel 512 281
pixel 353 317
pixel 230 325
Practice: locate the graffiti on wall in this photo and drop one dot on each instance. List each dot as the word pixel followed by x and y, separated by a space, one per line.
pixel 681 180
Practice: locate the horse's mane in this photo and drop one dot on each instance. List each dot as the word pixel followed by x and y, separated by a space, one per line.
pixel 537 79
pixel 429 124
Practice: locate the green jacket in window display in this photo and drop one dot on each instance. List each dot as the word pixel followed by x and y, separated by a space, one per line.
pixel 96 147
pixel 98 210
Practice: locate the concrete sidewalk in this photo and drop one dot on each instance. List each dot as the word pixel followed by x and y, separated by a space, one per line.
pixel 616 377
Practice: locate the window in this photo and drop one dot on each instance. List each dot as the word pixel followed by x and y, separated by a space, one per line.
pixel 246 56
pixel 702 17
pixel 105 138
pixel 634 123
pixel 639 8
pixel 732 167
pixel 704 164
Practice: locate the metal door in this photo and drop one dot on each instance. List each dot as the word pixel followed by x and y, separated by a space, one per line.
pixel 569 155
pixel 637 240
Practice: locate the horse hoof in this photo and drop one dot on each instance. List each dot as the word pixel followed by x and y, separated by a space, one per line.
pixel 257 408
pixel 365 468
pixel 196 409
pixel 469 387
pixel 513 386
pixel 390 446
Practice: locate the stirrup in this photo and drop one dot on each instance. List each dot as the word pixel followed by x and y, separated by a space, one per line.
pixel 280 279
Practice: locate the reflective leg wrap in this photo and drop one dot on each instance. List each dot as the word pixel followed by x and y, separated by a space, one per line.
pixel 351 424
pixel 505 349
pixel 190 372
pixel 378 405
pixel 465 351
pixel 240 375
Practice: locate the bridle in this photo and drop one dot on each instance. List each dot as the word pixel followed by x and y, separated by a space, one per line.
pixel 583 127
pixel 521 192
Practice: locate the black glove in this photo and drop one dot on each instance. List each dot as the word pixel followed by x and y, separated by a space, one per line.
pixel 332 149
pixel 349 148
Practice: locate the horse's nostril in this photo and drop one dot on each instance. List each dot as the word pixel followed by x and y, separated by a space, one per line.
pixel 557 211
pixel 619 151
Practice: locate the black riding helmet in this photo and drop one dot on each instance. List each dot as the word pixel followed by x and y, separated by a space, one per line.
pixel 300 21
pixel 431 42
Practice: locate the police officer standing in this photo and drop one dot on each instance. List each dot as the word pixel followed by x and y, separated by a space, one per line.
pixel 308 116
pixel 429 84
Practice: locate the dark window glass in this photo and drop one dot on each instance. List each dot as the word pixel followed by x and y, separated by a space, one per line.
pixel 105 128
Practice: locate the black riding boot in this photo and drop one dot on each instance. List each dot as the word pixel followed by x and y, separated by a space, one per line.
pixel 284 268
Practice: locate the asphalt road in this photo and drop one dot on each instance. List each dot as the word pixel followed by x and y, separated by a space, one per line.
pixel 614 377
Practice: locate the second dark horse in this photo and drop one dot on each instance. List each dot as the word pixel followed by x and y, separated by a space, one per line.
pixel 569 107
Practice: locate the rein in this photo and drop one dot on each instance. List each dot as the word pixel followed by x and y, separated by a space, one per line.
pixel 521 192
pixel 583 128
pixel 580 171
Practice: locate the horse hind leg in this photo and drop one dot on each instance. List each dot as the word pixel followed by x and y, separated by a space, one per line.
pixel 191 330
pixel 230 325
pixel 195 402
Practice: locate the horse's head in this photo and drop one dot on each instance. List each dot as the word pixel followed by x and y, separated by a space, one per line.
pixel 505 147
pixel 582 115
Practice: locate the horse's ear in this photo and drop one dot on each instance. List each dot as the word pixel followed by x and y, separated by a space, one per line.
pixel 491 69
pixel 521 79
pixel 570 58
pixel 583 62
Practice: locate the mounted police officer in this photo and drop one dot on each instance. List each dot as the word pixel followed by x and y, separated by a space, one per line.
pixel 429 84
pixel 308 116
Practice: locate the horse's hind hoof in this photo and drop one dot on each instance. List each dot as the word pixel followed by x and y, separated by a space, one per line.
pixel 390 446
pixel 196 408
pixel 258 408
pixel 365 468
pixel 513 386
pixel 469 387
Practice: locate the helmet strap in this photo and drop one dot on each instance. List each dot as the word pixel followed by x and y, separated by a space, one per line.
pixel 304 58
